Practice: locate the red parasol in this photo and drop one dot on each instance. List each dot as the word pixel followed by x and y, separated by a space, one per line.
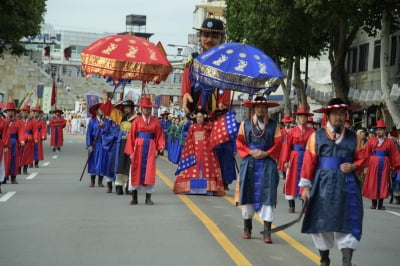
pixel 126 57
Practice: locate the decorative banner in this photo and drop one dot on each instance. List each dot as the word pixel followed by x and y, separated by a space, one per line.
pixel 29 99
pixel 132 94
pixel 46 99
pixel 91 99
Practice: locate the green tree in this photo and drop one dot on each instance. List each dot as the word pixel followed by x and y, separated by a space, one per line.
pixel 281 29
pixel 18 19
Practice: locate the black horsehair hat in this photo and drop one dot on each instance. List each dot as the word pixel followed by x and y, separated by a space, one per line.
pixel 212 25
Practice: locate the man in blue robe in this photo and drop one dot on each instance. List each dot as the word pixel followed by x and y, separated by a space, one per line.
pixel 328 182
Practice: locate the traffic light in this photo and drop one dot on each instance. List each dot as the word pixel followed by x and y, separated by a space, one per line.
pixel 67 53
pixel 47 51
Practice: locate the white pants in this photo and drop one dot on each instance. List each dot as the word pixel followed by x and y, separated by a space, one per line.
pixel 266 212
pixel 121 180
pixel 146 189
pixel 325 241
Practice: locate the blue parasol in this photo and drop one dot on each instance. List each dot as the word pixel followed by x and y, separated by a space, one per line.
pixel 234 66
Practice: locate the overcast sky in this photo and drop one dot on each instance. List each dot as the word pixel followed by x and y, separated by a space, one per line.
pixel 170 21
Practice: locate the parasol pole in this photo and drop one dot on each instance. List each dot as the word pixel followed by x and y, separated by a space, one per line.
pixel 115 87
pixel 233 96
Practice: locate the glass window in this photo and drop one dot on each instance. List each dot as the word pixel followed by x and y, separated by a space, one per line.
pixel 352 60
pixel 377 54
pixel 393 50
pixel 363 59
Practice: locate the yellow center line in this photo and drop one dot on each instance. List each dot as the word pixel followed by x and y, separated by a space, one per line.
pixel 221 238
pixel 290 240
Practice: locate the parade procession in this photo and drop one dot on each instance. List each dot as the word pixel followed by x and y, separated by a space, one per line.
pixel 260 142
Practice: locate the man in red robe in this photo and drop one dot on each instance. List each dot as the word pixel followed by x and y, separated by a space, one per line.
pixel 57 124
pixel 211 34
pixel 381 154
pixel 144 143
pixel 29 138
pixel 293 152
pixel 3 127
pixel 41 134
pixel 286 120
pixel 13 139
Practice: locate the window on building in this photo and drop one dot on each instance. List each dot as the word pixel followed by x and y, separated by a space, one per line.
pixel 377 54
pixel 363 58
pixel 393 49
pixel 352 60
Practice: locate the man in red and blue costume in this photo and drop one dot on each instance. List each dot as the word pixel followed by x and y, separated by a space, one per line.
pixel 30 138
pixel 330 185
pixel 144 143
pixel 57 124
pixel 13 139
pixel 293 154
pixel 259 143
pixel 382 155
pixel 41 132
pixel 211 35
pixel 286 120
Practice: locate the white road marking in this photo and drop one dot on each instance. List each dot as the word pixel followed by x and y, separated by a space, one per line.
pixel 45 164
pixel 31 176
pixel 7 196
pixel 395 213
pixel 54 156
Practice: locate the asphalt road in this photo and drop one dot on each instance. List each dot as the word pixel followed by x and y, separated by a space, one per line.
pixel 50 218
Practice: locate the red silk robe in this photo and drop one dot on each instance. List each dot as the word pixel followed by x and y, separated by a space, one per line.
pixel 57 124
pixel 376 186
pixel 13 136
pixel 281 166
pixel 207 165
pixel 295 137
pixel 41 133
pixel 3 127
pixel 143 151
pixel 30 135
pixel 224 98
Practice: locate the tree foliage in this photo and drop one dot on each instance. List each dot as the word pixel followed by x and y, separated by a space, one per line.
pixel 18 19
pixel 278 27
pixel 286 28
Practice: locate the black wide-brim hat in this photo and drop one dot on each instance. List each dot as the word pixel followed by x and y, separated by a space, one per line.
pixel 211 25
pixel 122 104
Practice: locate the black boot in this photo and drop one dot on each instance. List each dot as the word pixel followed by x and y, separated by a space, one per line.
pixel 374 202
pixel 248 226
pixel 292 205
pixel 134 198
pixel 148 199
pixel 380 205
pixel 127 192
pixel 5 180
pixel 109 187
pixel 36 164
pixel 347 254
pixel 267 234
pixel 54 149
pixel 118 190
pixel 100 182
pixel 92 180
pixel 14 179
pixel 25 169
pixel 325 261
